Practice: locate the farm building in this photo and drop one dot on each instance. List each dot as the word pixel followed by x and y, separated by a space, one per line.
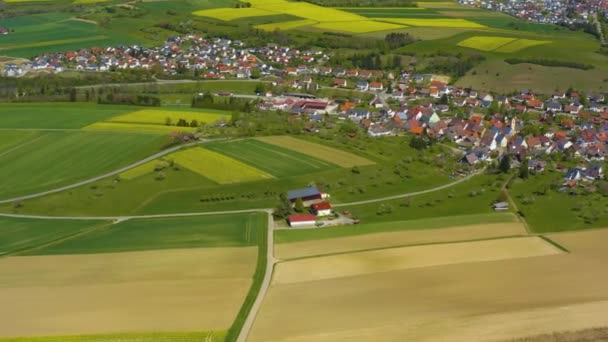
pixel 302 220
pixel 306 194
pixel 501 206
pixel 321 209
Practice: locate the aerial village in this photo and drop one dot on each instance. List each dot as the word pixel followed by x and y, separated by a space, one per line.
pixel 530 128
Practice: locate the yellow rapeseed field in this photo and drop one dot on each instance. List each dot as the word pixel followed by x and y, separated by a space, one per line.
pixel 217 167
pixel 136 128
pixel 312 12
pixel 484 43
pixel 434 22
pixel 286 25
pixel 158 116
pixel 358 26
pixel 227 14
pixel 521 44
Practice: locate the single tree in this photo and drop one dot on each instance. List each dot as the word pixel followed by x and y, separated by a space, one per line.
pixel 299 205
pixel 505 164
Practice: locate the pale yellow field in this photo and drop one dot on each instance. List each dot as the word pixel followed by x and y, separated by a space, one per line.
pixel 484 43
pixel 217 167
pixel 158 116
pixel 234 13
pixel 88 1
pixel 142 169
pixel 286 25
pixel 521 44
pixel 392 259
pixel 477 301
pixel 329 154
pixel 434 22
pixel 152 291
pixel 136 128
pixel 358 26
pixel 393 239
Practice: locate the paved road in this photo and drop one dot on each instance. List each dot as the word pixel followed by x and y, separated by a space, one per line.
pixel 270 262
pixel 109 174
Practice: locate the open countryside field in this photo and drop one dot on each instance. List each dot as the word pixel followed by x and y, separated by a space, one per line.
pixel 158 116
pixel 329 154
pixel 499 44
pixel 55 115
pixel 492 300
pixel 154 121
pixel 397 238
pixel 19 234
pixel 52 159
pixel 275 160
pixel 217 167
pixel 286 25
pixel 198 289
pixel 166 233
pixel 210 336
pixel 401 258
pixel 463 23
pixel 234 13
pixel 40 33
pixel 358 26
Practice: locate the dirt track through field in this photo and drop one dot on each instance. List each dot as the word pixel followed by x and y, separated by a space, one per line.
pixel 170 290
pixel 479 301
pixel 393 239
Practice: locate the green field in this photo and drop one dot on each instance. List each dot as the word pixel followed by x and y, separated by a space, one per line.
pixel 272 159
pixel 363 26
pixel 52 159
pixel 19 234
pixel 55 115
pixel 286 235
pixel 164 233
pixel 547 210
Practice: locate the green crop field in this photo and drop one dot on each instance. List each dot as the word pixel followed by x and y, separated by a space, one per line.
pixel 165 233
pixel 136 128
pixel 217 167
pixel 19 234
pixel 272 159
pixel 40 33
pixel 485 43
pixel 55 115
pixel 52 159
pixel 234 13
pixel 521 44
pixel 11 139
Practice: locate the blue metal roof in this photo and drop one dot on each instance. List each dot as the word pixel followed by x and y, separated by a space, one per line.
pixel 302 193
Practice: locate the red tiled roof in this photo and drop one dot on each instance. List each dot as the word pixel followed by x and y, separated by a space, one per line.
pixel 321 206
pixel 302 217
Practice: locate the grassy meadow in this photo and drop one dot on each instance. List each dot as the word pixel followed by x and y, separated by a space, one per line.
pixel 20 234
pixel 273 159
pixel 51 159
pixel 164 233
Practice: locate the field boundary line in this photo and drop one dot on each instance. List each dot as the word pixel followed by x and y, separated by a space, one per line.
pixel 518 213
pixel 404 246
pixel 60 239
pixel 555 244
pixel 14 148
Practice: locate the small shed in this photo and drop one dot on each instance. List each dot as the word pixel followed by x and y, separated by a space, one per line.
pixel 501 206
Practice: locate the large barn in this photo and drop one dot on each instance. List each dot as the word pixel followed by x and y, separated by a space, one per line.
pixel 306 194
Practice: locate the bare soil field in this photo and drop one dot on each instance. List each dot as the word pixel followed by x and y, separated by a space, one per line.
pixel 473 301
pixel 151 291
pixel 392 259
pixel 394 239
